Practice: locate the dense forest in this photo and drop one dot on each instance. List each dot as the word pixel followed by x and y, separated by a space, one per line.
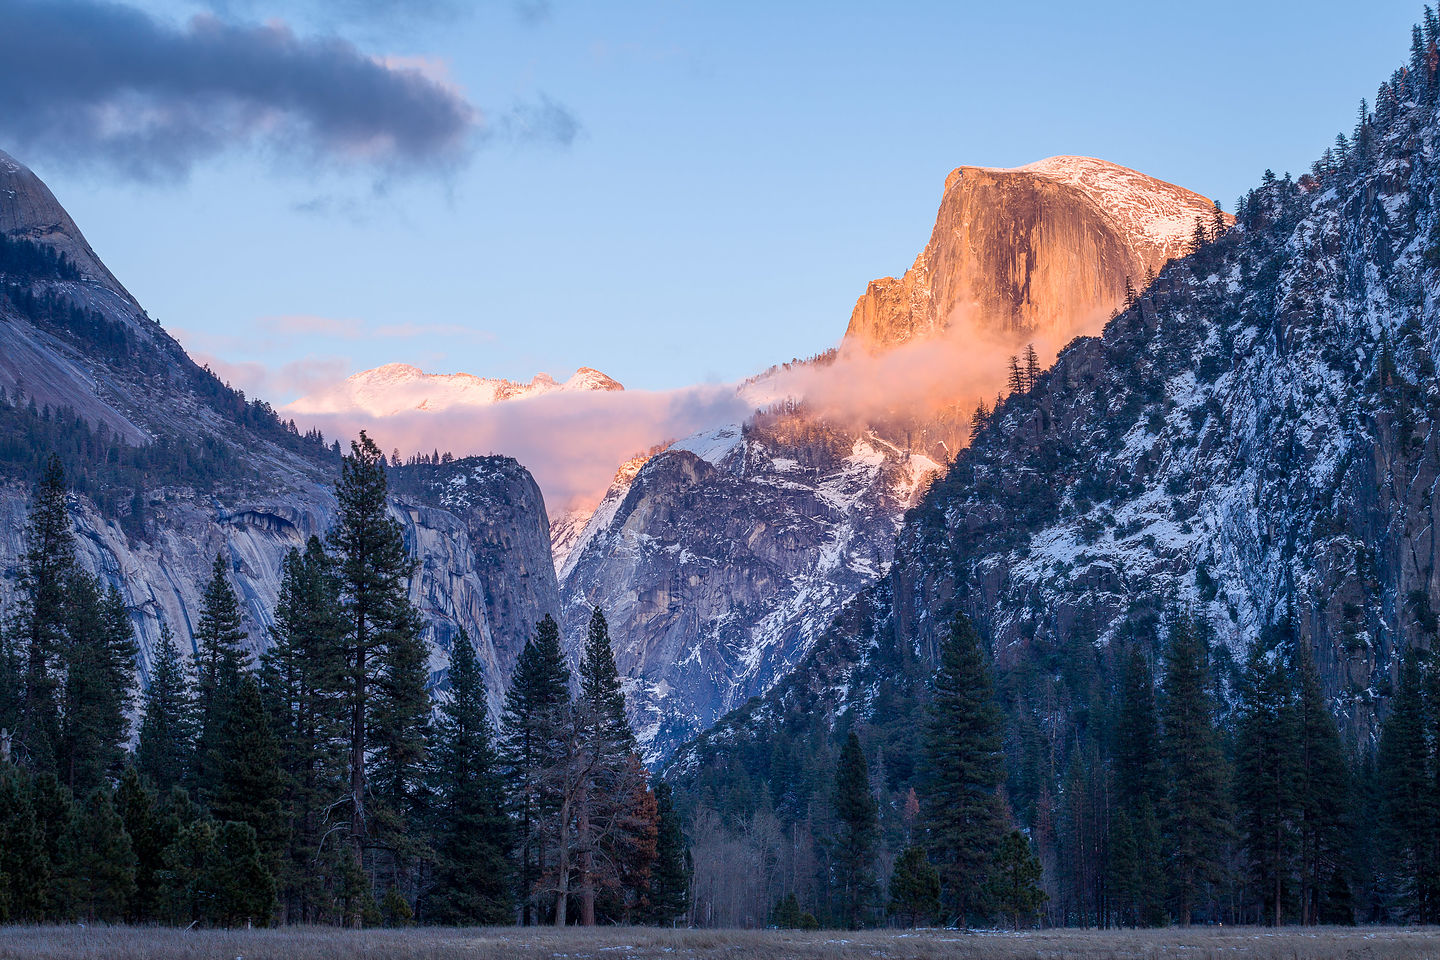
pixel 320 784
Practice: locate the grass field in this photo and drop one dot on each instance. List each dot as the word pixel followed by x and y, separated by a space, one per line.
pixel 311 943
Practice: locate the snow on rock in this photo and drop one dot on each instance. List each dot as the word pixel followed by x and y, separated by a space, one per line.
pixel 397 387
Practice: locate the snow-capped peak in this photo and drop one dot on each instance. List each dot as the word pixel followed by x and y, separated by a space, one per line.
pixel 397 387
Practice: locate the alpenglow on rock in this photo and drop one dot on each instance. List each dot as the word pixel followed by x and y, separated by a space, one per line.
pixel 1041 251
pixel 724 558
pixel 224 476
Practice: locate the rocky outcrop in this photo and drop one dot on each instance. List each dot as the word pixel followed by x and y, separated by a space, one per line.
pixel 476 527
pixel 726 555
pixel 1038 252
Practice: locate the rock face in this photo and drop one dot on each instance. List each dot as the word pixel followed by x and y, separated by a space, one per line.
pixel 1258 434
pixel 476 527
pixel 724 557
pixel 1038 252
pixel 729 554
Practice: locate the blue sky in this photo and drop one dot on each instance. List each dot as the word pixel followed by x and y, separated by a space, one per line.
pixel 738 172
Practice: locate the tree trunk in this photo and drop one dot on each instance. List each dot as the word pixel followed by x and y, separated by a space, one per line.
pixel 562 865
pixel 587 862
pixel 357 755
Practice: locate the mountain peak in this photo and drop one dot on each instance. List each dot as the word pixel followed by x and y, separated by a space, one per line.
pixel 29 210
pixel 398 387
pixel 1038 251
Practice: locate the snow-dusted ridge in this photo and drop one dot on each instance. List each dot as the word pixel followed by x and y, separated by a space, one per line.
pixel 399 387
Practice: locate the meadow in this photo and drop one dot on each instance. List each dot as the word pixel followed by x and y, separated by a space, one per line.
pixel 312 943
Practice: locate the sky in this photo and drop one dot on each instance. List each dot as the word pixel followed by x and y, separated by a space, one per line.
pixel 675 193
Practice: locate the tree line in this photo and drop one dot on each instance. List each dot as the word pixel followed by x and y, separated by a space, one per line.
pixel 320 783
pixel 1148 782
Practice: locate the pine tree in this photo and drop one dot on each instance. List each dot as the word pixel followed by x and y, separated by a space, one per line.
pixel 99 659
pixel 214 875
pixel 532 741
pixel 1016 881
pixel 1409 814
pixel 149 832
pixel 857 833
pixel 1137 877
pixel 250 784
pixel 1032 366
pixel 97 861
pixel 385 658
pixel 38 624
pixel 669 896
pixel 11 689
pixel 1197 814
pixel 167 718
pixel 1267 778
pixel 26 869
pixel 963 769
pixel 472 829
pixel 1016 378
pixel 1325 797
pixel 608 789
pixel 914 888
pixel 220 658
pixel 306 688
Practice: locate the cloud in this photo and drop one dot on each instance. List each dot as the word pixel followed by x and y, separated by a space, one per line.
pixel 261 381
pixel 98 83
pixel 571 442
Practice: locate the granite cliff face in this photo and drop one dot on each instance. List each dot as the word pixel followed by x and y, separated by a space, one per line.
pixel 1036 252
pixel 476 527
pixel 725 558
pixel 1256 435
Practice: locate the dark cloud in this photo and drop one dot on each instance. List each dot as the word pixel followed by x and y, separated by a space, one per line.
pixel 91 82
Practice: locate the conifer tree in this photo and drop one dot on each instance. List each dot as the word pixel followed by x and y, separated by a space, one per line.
pixel 1016 881
pixel 964 766
pixel 97 861
pixel 471 837
pixel 385 659
pixel 307 693
pixel 1267 778
pixel 214 875
pixel 1197 814
pixel 914 888
pixel 612 809
pixel 140 814
pixel 167 718
pixel 857 834
pixel 26 870
pixel 220 658
pixel 250 787
pixel 1409 815
pixel 533 741
pixel 99 658
pixel 1325 797
pixel 1032 366
pixel 1137 871
pixel 669 896
pixel 37 626
pixel 11 687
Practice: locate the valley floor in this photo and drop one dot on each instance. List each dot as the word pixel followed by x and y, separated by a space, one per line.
pixel 315 943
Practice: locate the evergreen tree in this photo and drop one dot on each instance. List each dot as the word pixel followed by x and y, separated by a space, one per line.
pixel 857 833
pixel 214 875
pixel 99 659
pixel 1409 816
pixel 385 659
pixel 11 689
pixel 914 889
pixel 1016 881
pixel 220 658
pixel 532 742
pixel 1015 378
pixel 964 766
pixel 1137 875
pixel 97 861
pixel 669 896
pixel 1325 797
pixel 1197 814
pixel 1032 366
pixel 149 832
pixel 307 693
pixel 472 829
pixel 612 808
pixel 26 870
pixel 167 718
pixel 38 623
pixel 250 787
pixel 1267 779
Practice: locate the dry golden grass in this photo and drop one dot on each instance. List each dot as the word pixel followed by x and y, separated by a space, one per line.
pixel 314 943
